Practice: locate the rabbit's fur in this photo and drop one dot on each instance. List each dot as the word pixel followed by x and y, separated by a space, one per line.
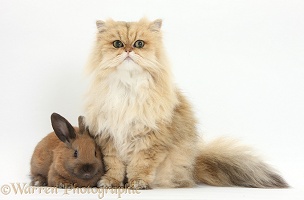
pixel 67 157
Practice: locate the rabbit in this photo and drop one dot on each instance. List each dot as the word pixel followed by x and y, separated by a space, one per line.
pixel 67 157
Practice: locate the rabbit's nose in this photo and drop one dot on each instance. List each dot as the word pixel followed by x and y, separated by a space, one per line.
pixel 87 168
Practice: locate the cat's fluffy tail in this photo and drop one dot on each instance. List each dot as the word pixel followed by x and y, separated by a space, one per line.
pixel 224 162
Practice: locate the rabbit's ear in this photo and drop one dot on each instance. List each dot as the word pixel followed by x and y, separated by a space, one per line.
pixel 81 124
pixel 63 129
pixel 83 129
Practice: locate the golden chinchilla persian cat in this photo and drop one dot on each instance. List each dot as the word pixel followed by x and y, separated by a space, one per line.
pixel 146 127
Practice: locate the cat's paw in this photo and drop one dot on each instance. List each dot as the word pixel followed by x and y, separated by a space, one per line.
pixel 138 184
pixel 108 182
pixel 183 183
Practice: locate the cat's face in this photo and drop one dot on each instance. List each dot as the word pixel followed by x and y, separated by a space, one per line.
pixel 138 42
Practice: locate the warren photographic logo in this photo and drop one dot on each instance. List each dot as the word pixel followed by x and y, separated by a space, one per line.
pixel 26 189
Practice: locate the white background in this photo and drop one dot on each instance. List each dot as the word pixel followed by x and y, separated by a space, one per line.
pixel 240 63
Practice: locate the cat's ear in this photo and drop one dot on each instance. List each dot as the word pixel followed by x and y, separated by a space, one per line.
pixel 156 25
pixel 101 26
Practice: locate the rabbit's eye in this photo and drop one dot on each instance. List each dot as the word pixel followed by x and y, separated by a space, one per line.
pixel 75 153
pixel 95 154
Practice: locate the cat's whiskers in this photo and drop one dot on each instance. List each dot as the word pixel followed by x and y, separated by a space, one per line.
pixel 112 62
pixel 155 68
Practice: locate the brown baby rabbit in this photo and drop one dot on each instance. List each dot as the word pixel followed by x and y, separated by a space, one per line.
pixel 67 157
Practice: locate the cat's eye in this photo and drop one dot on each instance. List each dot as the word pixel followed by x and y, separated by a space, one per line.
pixel 75 153
pixel 118 44
pixel 139 44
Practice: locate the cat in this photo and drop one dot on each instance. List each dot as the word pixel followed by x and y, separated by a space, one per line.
pixel 146 127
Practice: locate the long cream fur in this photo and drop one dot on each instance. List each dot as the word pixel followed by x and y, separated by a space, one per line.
pixel 146 127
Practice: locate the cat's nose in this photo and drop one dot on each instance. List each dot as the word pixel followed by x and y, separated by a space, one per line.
pixel 128 49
